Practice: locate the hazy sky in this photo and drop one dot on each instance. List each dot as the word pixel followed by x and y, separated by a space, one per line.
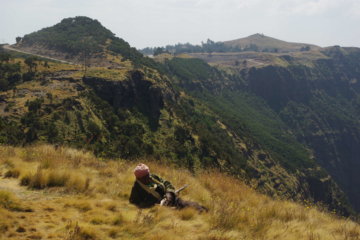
pixel 160 22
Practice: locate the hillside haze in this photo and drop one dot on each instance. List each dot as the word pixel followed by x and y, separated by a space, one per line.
pixel 260 42
pixel 283 127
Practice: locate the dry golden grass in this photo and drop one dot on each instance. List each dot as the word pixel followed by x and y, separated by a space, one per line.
pixel 72 195
pixel 29 91
pixel 50 67
pixel 8 201
pixel 111 74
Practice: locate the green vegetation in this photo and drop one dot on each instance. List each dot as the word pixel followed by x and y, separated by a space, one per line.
pixel 190 70
pixel 10 73
pixel 248 109
pixel 256 43
pixel 13 71
pixel 85 37
pixel 205 47
pixel 247 115
pixel 194 74
pixel 241 111
pixel 71 34
pixel 216 144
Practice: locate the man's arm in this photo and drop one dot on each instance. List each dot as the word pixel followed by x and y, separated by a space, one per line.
pixel 168 186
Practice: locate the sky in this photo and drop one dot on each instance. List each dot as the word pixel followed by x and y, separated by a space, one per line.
pixel 149 23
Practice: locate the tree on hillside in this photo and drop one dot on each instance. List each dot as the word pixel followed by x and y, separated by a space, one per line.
pixel 31 63
pixel 4 57
pixel 159 51
pixel 3 84
pixel 88 49
pixel 305 48
pixel 18 39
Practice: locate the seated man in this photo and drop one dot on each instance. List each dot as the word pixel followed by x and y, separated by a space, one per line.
pixel 148 189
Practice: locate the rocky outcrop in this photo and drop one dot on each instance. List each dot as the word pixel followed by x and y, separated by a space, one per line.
pixel 136 91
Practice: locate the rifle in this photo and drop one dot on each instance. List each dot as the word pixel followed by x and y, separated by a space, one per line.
pixel 165 200
pixel 182 188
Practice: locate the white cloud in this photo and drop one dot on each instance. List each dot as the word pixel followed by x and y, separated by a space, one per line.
pixel 159 22
pixel 354 9
pixel 313 7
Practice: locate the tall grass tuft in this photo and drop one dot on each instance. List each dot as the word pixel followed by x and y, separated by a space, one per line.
pixel 225 215
pixel 75 232
pixel 10 202
pixel 47 178
pixel 12 173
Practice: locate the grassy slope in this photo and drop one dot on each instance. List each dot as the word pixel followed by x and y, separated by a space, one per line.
pixel 71 110
pixel 248 59
pixel 92 203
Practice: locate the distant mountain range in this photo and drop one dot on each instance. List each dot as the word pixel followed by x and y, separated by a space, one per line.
pixel 254 43
pixel 268 44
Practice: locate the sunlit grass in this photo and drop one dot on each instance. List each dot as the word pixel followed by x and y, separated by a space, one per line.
pixel 111 74
pixel 73 195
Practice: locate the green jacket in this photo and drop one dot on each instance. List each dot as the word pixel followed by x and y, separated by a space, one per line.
pixel 144 198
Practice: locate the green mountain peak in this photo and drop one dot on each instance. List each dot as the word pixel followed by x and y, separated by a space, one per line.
pixel 72 38
pixel 70 35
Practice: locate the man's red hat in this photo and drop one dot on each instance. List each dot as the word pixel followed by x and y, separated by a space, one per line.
pixel 141 170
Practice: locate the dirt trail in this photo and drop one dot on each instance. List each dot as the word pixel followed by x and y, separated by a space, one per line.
pixel 8 47
pixel 44 217
pixel 12 185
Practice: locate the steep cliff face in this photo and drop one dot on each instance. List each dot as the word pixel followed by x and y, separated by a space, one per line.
pixel 248 107
pixel 321 106
pixel 135 91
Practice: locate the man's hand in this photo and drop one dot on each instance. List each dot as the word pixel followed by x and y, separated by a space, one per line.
pixel 163 202
pixel 169 199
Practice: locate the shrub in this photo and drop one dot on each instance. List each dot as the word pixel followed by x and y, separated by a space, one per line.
pixel 3 227
pixel 78 183
pixel 38 180
pixel 25 180
pixel 47 178
pixel 57 179
pixel 9 202
pixel 118 220
pixel 79 233
pixel 12 173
